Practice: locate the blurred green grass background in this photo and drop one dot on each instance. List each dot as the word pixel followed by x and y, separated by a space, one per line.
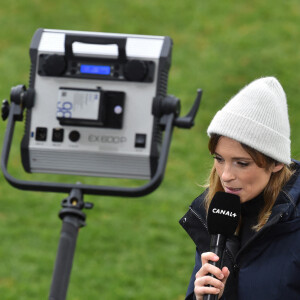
pixel 134 248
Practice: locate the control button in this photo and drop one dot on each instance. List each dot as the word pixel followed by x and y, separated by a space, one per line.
pixel 74 136
pixel 54 65
pixel 118 109
pixel 135 70
pixel 41 134
pixel 57 135
pixel 140 140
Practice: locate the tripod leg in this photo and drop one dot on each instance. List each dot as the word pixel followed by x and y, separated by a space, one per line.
pixel 73 219
pixel 64 259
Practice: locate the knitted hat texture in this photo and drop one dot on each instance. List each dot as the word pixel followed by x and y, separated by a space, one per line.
pixel 257 117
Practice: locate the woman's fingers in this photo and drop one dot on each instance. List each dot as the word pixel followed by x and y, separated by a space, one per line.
pixel 205 290
pixel 208 268
pixel 226 274
pixel 208 256
pixel 207 284
pixel 209 280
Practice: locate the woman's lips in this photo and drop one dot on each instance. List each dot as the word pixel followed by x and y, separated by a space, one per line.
pixel 232 190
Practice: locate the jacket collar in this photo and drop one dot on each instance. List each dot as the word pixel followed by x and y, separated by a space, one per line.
pixel 288 200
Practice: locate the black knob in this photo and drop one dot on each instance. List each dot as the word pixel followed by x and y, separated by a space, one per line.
pixel 4 109
pixel 54 65
pixel 135 70
pixel 74 136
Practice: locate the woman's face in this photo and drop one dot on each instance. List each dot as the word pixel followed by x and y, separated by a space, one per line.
pixel 238 172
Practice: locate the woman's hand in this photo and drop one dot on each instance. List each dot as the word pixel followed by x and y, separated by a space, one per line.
pixel 203 278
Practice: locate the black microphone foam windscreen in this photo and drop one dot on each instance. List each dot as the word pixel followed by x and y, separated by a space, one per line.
pixel 224 214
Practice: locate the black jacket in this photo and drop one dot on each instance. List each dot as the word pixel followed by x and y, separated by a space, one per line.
pixel 267 267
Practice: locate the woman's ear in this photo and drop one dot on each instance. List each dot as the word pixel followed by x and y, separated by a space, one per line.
pixel 277 167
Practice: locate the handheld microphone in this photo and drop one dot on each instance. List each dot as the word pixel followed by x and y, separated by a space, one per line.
pixel 222 221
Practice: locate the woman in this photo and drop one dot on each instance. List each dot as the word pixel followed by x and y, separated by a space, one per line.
pixel 250 144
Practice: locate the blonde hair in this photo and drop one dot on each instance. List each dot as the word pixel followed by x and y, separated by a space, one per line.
pixel 271 191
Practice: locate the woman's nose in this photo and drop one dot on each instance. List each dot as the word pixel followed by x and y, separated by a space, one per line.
pixel 227 173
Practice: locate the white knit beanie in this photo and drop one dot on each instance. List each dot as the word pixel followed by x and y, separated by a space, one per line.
pixel 257 117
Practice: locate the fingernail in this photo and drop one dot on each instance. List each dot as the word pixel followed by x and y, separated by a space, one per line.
pixel 218 291
pixel 221 276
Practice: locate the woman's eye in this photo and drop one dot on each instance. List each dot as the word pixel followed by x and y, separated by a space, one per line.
pixel 218 159
pixel 243 164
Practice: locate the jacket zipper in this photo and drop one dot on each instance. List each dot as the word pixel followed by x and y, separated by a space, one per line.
pixel 198 217
pixel 231 258
pixel 289 197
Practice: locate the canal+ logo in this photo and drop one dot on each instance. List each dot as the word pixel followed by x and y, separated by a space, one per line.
pixel 224 212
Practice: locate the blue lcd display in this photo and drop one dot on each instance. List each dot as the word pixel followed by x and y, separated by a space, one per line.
pixel 94 69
